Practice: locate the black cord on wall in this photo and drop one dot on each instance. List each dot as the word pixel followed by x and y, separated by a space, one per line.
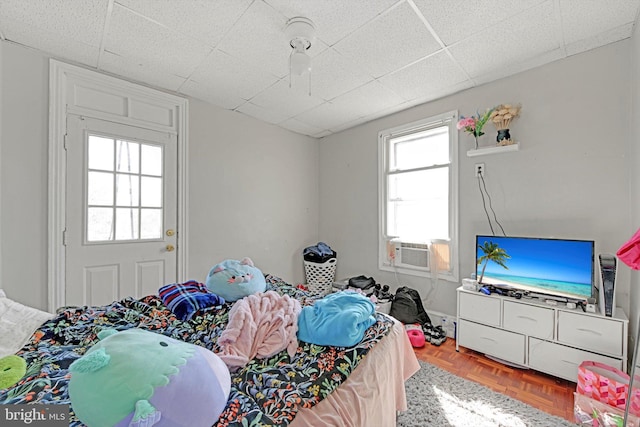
pixel 484 205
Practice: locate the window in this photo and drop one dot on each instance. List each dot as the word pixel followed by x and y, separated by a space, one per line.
pixel 418 197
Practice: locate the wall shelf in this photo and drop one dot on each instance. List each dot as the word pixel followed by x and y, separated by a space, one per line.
pixel 482 151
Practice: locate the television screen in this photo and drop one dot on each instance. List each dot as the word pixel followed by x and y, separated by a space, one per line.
pixel 557 267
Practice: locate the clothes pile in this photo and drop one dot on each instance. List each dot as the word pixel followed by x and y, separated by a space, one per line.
pixel 319 253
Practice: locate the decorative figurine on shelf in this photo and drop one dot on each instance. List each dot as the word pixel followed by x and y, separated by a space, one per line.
pixel 501 117
pixel 474 124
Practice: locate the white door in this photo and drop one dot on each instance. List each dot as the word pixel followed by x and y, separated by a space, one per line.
pixel 121 211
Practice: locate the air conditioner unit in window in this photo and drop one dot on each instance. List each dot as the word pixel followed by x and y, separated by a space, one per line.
pixel 413 255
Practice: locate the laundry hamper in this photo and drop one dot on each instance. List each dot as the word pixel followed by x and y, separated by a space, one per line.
pixel 320 276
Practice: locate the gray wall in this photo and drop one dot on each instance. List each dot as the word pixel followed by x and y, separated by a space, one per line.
pixel 24 87
pixel 569 179
pixel 634 182
pixel 254 192
pixel 254 187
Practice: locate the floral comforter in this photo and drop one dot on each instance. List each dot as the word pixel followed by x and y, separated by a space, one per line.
pixel 266 392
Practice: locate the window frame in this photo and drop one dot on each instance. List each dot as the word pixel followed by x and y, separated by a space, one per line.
pixel 384 136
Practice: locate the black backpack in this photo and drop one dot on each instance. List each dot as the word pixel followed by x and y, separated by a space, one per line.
pixel 407 307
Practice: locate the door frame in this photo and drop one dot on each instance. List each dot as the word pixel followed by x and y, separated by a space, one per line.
pixel 85 92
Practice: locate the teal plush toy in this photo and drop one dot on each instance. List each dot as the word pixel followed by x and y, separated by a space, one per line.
pixel 138 378
pixel 233 279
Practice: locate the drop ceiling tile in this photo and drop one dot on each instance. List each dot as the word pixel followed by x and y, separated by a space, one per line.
pixel 333 19
pixel 389 42
pixel 211 95
pixel 265 114
pixel 368 99
pixel 133 36
pixel 220 71
pixel 82 21
pixel 579 22
pixel 258 38
pixel 332 74
pixel 162 43
pixel 288 101
pixel 300 127
pixel 348 125
pixel 142 73
pixel 527 35
pixel 58 46
pixel 610 36
pixel 441 93
pixel 455 20
pixel 328 115
pixel 205 20
pixel 412 82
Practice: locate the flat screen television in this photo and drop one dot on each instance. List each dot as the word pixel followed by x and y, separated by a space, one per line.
pixel 558 267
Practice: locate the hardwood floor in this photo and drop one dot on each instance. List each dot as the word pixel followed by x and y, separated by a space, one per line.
pixel 550 394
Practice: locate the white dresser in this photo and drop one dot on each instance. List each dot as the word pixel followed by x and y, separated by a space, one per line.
pixel 533 334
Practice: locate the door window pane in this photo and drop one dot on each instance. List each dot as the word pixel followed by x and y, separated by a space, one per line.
pixel 127 190
pixel 126 224
pixel 100 188
pixel 150 223
pixel 127 156
pixel 151 160
pixel 122 178
pixel 99 224
pixel 100 153
pixel 151 190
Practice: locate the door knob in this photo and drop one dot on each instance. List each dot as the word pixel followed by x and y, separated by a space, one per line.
pixel 170 232
pixel 170 248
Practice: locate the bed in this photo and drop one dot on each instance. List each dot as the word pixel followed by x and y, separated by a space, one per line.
pixel 319 385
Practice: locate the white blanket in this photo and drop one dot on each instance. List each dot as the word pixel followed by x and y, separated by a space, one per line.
pixel 17 323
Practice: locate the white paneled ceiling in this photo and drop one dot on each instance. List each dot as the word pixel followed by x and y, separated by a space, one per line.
pixel 371 57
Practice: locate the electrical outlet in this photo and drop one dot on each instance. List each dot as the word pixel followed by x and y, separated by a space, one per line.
pixel 479 169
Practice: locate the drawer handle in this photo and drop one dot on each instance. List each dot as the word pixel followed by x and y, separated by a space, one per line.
pixel 489 339
pixel 527 318
pixel 591 331
pixel 570 362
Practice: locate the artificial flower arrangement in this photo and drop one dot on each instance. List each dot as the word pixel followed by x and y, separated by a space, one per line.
pixel 474 124
pixel 501 117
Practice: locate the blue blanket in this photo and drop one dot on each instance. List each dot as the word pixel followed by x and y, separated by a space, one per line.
pixel 339 319
pixel 186 299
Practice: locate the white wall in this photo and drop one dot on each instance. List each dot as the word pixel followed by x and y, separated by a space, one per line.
pixel 634 179
pixel 570 178
pixel 254 192
pixel 254 187
pixel 1 92
pixel 23 174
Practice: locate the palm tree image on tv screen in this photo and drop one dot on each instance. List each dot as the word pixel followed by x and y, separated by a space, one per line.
pixel 492 252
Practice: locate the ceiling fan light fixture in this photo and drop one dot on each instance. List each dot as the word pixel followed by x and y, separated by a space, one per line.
pixel 300 63
pixel 301 34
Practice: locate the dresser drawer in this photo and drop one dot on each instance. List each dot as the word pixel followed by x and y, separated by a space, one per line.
pixel 563 361
pixel 590 332
pixel 528 319
pixel 496 342
pixel 479 308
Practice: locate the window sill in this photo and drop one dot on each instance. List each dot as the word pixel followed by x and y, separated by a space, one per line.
pixel 482 151
pixel 418 273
